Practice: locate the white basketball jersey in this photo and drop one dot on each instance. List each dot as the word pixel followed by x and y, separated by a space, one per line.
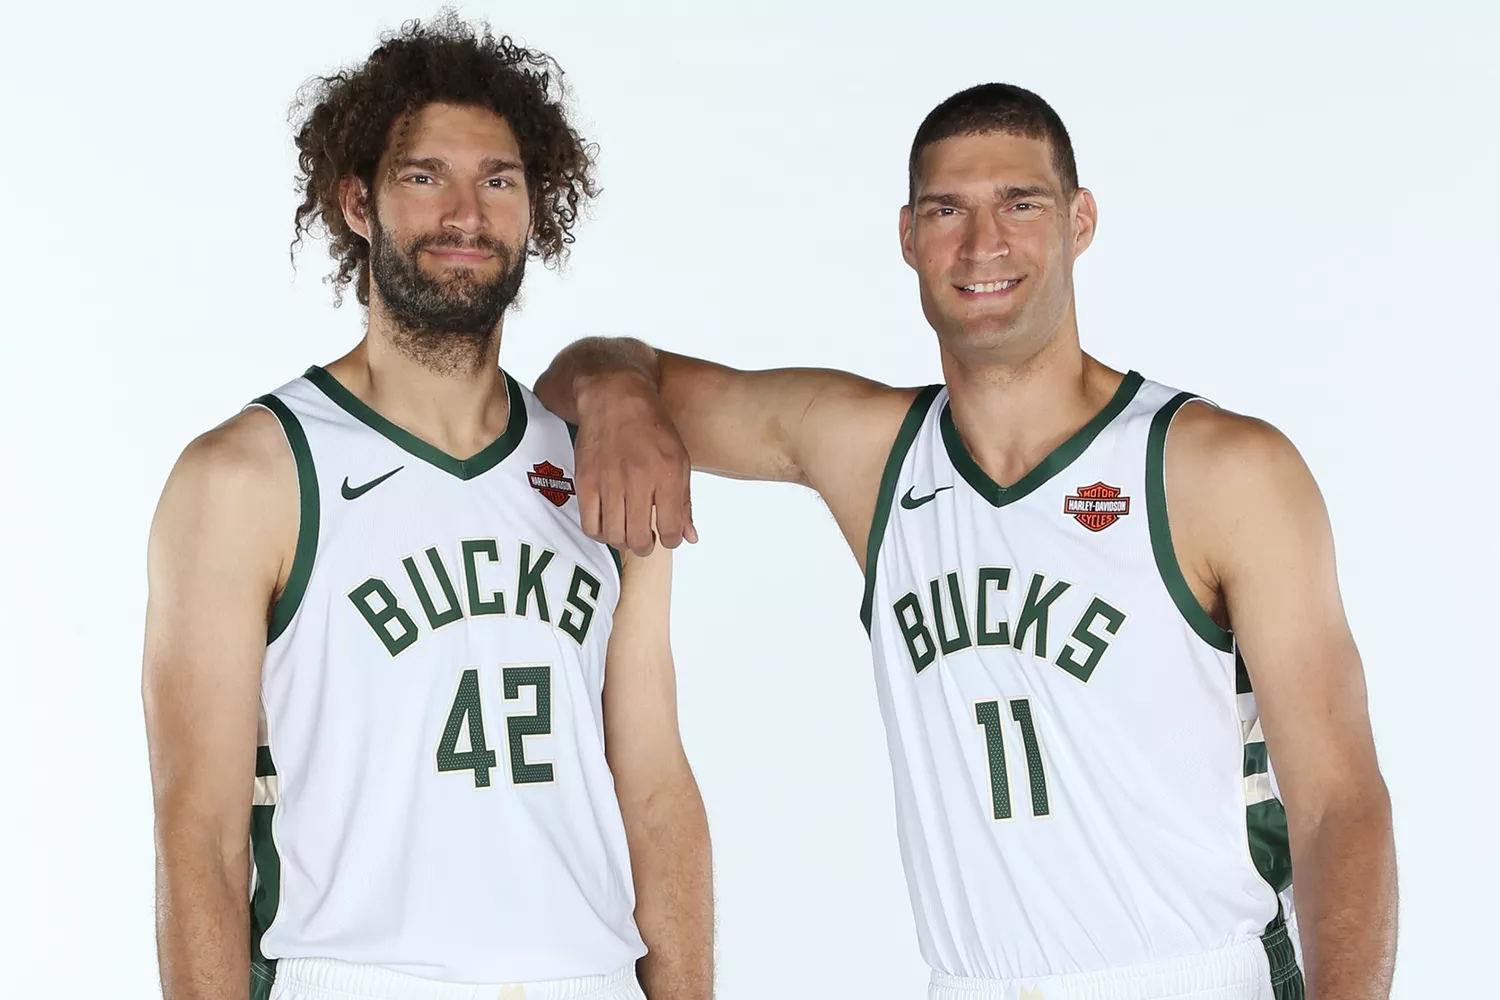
pixel 1080 779
pixel 432 794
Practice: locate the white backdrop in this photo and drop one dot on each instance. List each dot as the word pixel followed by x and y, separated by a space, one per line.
pixel 1297 219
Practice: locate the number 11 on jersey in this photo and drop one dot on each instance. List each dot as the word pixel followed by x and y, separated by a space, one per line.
pixel 987 714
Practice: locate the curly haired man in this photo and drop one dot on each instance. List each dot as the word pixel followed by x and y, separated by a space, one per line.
pixel 413 733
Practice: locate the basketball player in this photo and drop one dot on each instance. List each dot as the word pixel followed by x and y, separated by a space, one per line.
pixel 1085 802
pixel 379 647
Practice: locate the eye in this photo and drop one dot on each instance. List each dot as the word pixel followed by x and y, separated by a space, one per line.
pixel 500 182
pixel 420 178
pixel 1026 210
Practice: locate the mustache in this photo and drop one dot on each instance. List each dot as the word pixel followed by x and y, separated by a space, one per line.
pixel 457 242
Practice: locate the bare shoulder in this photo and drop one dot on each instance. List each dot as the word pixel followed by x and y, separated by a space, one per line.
pixel 857 418
pixel 234 485
pixel 1238 491
pixel 853 425
pixel 844 389
pixel 243 460
pixel 1219 452
pixel 250 441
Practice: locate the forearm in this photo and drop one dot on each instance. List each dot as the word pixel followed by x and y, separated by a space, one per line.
pixel 670 857
pixel 1346 901
pixel 591 361
pixel 203 925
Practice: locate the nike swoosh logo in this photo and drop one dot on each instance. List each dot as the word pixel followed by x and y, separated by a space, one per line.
pixel 911 502
pixel 355 492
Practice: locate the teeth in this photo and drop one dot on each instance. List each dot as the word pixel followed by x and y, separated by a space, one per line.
pixel 992 286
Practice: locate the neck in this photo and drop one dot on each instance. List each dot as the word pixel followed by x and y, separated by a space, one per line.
pixel 444 353
pixel 1011 413
pixel 459 405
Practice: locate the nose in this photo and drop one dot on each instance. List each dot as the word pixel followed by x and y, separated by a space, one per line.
pixel 463 213
pixel 984 239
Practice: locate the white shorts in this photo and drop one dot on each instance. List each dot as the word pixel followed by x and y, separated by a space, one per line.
pixel 325 979
pixel 1239 972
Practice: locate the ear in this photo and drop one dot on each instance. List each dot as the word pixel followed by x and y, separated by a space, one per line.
pixel 908 223
pixel 1085 214
pixel 354 200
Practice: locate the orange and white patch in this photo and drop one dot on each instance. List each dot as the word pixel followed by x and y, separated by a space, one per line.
pixel 548 480
pixel 1098 506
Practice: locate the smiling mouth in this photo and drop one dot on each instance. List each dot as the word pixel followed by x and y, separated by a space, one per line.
pixel 987 287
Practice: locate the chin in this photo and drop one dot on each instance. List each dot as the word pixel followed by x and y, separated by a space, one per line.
pixel 984 323
pixel 460 272
pixel 971 335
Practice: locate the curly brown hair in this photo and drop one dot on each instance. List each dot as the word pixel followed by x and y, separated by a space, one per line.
pixel 343 122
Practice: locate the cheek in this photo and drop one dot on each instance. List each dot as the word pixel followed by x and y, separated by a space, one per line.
pixel 934 271
pixel 1039 250
pixel 509 214
pixel 408 215
pixel 936 252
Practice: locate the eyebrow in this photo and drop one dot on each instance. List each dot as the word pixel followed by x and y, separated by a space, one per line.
pixel 437 165
pixel 431 164
pixel 496 165
pixel 949 200
pixel 1010 193
pixel 1032 191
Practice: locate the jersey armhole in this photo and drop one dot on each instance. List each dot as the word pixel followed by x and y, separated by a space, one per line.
pixel 915 414
pixel 307 525
pixel 1161 532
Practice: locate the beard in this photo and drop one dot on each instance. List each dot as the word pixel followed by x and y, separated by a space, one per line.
pixel 445 323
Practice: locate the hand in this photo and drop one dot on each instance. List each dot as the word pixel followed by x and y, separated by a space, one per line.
pixel 630 459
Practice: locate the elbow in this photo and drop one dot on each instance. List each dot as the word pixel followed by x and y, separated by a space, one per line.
pixel 190 840
pixel 1358 806
pixel 1365 796
pixel 669 800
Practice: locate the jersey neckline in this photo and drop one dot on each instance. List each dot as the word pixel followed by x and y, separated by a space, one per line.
pixel 1057 460
pixel 463 468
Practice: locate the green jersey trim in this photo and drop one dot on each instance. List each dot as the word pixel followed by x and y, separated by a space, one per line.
pixel 904 438
pixel 1256 759
pixel 266 897
pixel 1281 956
pixel 1270 847
pixel 1057 460
pixel 463 468
pixel 262 978
pixel 1161 532
pixel 1266 833
pixel 307 529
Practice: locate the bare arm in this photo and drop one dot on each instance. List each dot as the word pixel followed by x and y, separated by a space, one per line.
pixel 646 416
pixel 1256 532
pixel 218 547
pixel 664 819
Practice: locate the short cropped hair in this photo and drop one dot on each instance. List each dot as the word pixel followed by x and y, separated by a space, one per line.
pixel 990 108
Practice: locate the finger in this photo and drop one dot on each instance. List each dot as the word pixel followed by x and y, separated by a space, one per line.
pixel 639 536
pixel 689 530
pixel 612 514
pixel 588 507
pixel 669 513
